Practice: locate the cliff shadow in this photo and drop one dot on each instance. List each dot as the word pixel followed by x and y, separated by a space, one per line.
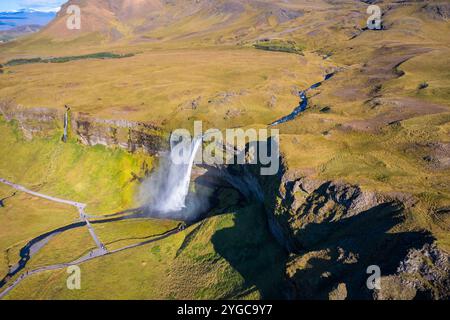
pixel 351 246
pixel 251 245
pixel 251 250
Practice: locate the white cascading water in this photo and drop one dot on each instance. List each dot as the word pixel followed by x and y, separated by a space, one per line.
pixel 172 193
pixel 66 125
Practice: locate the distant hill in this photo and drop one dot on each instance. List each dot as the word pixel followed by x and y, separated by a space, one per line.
pixel 155 20
pixel 19 31
pixel 23 22
pixel 12 20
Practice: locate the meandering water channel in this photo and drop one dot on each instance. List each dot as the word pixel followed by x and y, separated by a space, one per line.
pixel 303 102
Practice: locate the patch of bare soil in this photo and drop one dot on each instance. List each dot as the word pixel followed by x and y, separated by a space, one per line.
pixel 438 11
pixel 385 61
pixel 400 109
pixel 438 155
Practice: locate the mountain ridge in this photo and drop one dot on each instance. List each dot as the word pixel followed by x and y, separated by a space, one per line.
pixel 174 19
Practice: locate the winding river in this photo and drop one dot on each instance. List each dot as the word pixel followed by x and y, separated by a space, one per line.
pixel 33 246
pixel 303 102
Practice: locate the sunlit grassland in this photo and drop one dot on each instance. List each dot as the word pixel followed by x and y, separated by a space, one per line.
pixel 174 83
pixel 32 46
pixel 139 273
pixel 214 259
pixel 230 84
pixel 25 217
pixel 219 253
pixel 186 26
pixel 430 69
pixel 64 247
pixel 122 233
pixel 386 160
pixel 98 176
pixel 99 55
pixel 412 23
pixel 390 161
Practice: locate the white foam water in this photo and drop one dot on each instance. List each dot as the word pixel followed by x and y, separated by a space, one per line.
pixel 167 189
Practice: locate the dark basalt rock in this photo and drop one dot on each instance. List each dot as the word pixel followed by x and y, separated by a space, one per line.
pixel 423 274
pixel 88 130
pixel 438 11
pixel 334 230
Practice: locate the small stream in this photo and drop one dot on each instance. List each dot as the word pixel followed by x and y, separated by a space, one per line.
pixel 36 244
pixel 66 126
pixel 32 247
pixel 303 102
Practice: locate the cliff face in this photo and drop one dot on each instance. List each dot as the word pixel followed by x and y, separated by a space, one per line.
pixel 128 135
pixel 334 231
pixel 132 136
pixel 423 274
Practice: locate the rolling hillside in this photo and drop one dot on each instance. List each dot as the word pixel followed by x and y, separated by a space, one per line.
pixel 364 167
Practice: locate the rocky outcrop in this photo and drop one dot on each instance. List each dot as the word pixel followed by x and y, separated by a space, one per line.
pixel 335 230
pixel 36 122
pixel 132 136
pixel 438 11
pixel 306 202
pixel 299 204
pixel 423 274
pixel 438 156
pixel 88 130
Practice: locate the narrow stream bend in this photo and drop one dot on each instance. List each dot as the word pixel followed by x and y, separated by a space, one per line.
pixel 303 102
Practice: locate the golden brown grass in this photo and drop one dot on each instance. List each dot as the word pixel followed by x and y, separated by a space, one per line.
pixel 230 85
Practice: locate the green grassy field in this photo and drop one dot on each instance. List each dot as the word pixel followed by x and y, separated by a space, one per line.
pixel 210 260
pixel 161 86
pixel 212 249
pixel 120 234
pixel 97 176
pixel 25 217
pixel 65 247
pixel 100 55
pixel 381 123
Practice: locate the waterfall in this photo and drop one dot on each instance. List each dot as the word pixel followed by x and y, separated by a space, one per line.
pixel 66 125
pixel 169 186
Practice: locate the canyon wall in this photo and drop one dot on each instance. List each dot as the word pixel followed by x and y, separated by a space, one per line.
pixel 335 231
pixel 332 230
pixel 88 130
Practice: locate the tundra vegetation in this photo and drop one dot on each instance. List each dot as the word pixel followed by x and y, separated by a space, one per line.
pixel 365 168
pixel 100 55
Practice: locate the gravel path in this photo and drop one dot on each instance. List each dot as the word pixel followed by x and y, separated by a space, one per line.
pixel 94 254
pixel 88 257
pixel 80 207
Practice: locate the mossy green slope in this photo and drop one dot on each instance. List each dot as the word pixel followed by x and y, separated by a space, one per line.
pixel 98 176
pixel 216 259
